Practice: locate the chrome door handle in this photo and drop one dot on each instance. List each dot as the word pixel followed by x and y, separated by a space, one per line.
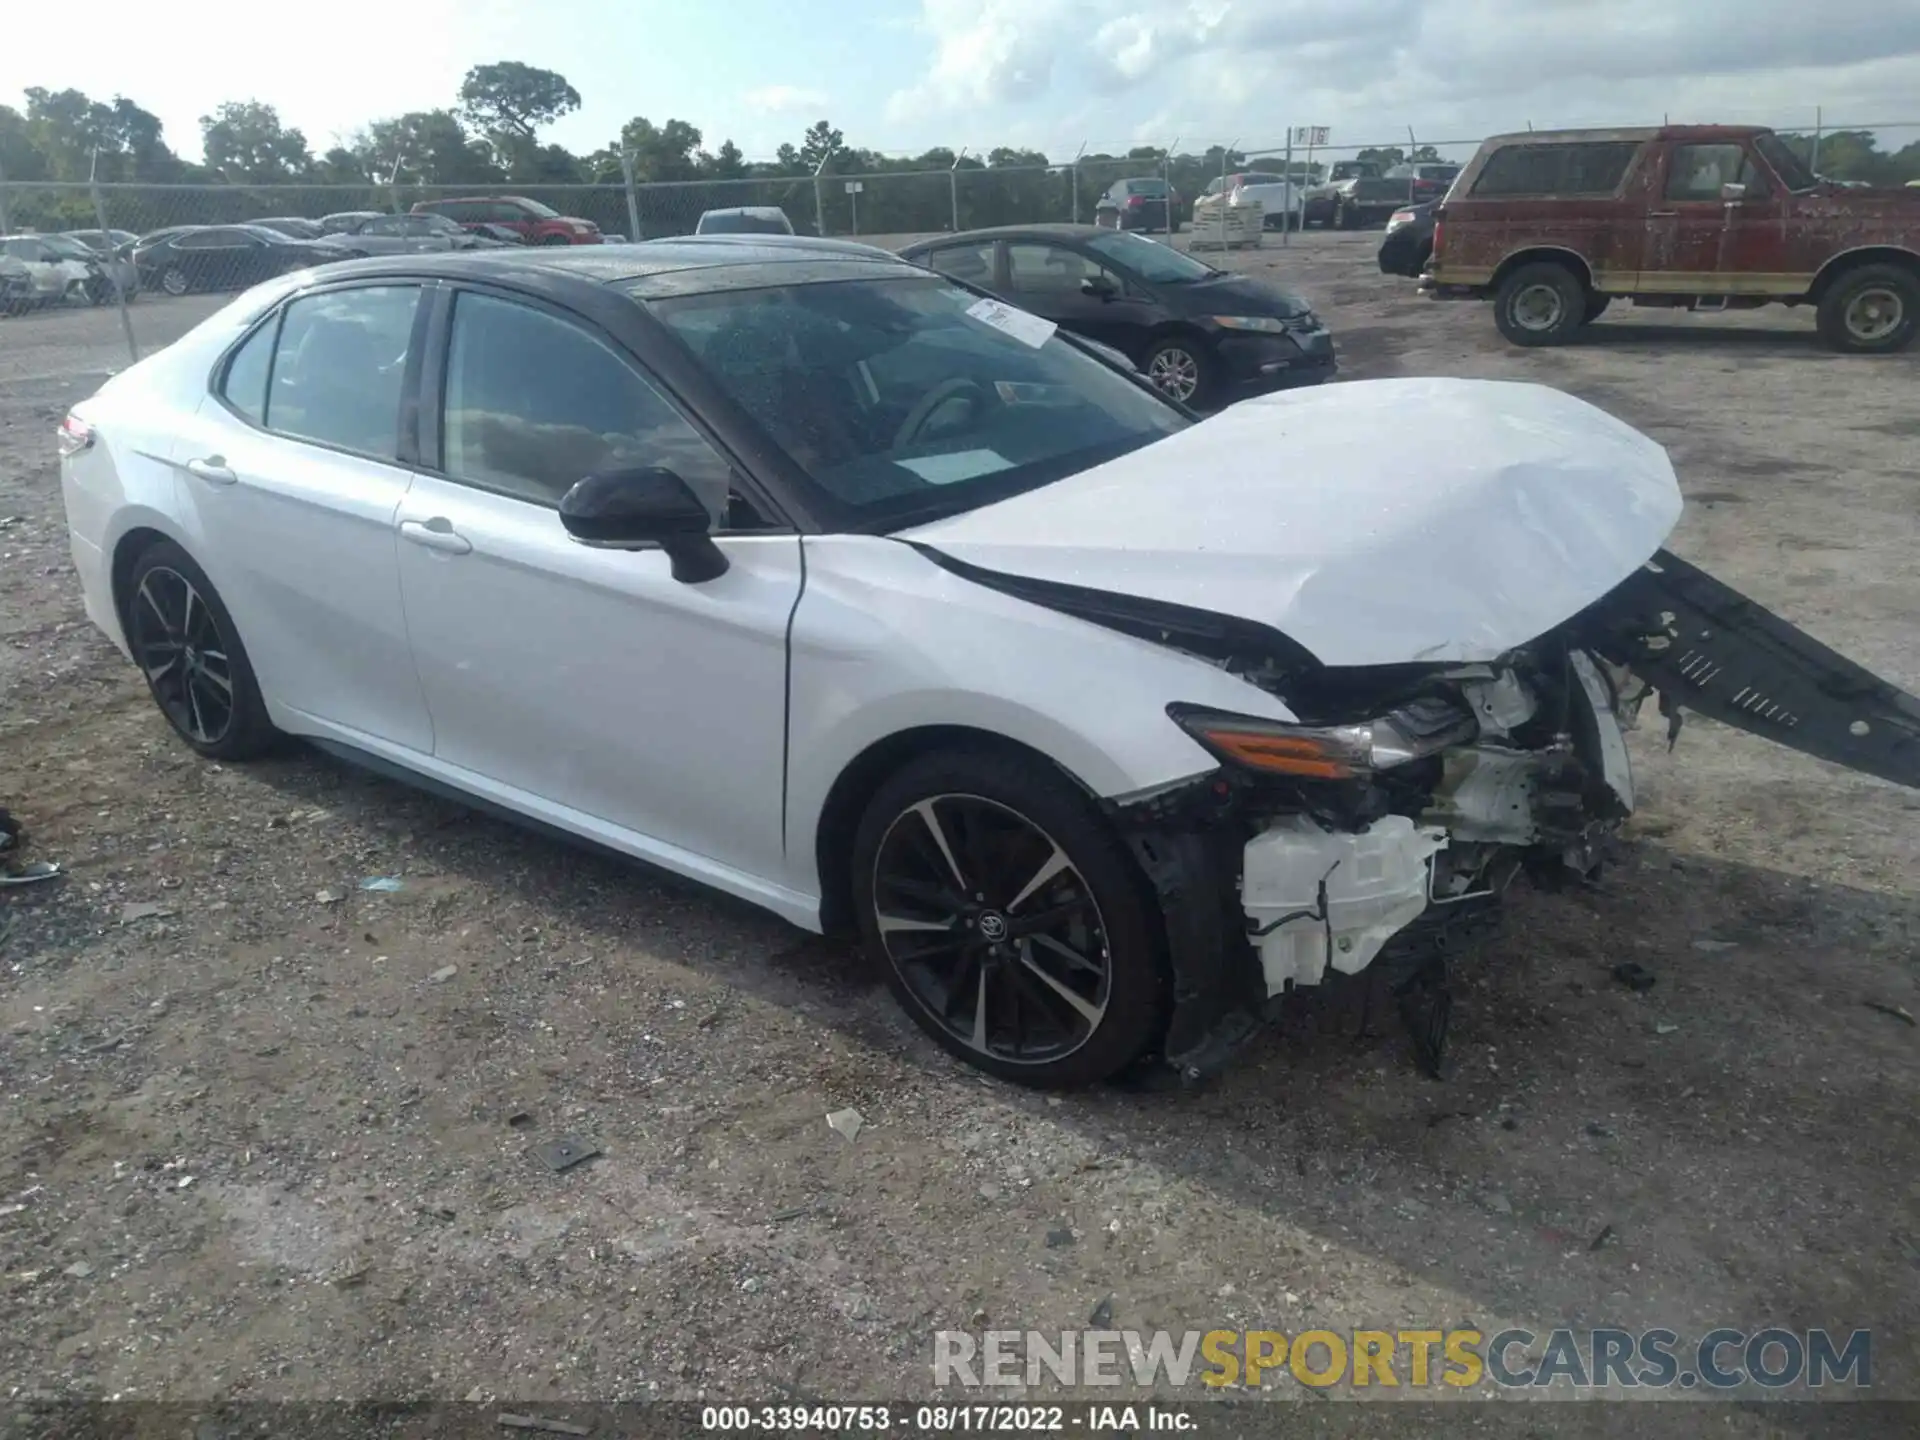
pixel 213 469
pixel 436 534
pixel 1662 214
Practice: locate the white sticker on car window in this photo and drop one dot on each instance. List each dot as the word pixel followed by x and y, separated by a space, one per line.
pixel 959 465
pixel 1027 329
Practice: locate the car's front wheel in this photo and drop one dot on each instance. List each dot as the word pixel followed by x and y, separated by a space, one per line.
pixel 1873 310
pixel 174 280
pixel 1013 926
pixel 187 646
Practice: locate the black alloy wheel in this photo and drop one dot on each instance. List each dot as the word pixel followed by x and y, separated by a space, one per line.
pixel 1009 919
pixel 196 669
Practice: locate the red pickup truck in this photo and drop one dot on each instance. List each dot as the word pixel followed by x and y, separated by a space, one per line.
pixel 1553 226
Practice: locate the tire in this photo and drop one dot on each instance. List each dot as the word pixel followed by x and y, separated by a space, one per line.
pixel 1540 304
pixel 1188 365
pixel 1874 310
pixel 553 240
pixel 1002 817
pixel 1596 307
pixel 174 281
pixel 182 661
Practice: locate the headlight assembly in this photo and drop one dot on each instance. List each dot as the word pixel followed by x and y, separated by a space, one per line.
pixel 1328 752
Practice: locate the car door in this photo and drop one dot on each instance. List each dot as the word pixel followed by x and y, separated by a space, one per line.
pixel 1052 281
pixel 589 684
pixel 290 478
pixel 1691 224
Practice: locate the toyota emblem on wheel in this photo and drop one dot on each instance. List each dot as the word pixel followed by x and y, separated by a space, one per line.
pixel 993 926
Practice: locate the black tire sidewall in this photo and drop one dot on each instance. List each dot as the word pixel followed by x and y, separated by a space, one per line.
pixel 251 732
pixel 1573 296
pixel 1833 309
pixel 1137 997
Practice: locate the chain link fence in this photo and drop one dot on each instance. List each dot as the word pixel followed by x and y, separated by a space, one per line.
pixel 46 220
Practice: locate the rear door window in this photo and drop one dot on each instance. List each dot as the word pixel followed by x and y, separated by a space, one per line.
pixel 340 366
pixel 1587 167
pixel 971 263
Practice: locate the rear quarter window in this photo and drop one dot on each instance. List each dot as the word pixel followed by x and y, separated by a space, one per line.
pixel 1594 167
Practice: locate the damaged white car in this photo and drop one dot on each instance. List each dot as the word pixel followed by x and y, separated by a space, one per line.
pixel 834 585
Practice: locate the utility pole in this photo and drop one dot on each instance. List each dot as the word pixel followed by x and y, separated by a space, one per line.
pixel 953 186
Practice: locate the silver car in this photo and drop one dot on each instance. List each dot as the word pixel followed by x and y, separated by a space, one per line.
pixel 405 234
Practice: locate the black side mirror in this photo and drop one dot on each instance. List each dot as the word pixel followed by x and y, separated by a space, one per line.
pixel 641 509
pixel 1099 287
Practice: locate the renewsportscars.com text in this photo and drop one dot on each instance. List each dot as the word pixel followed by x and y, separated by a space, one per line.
pixel 1599 1358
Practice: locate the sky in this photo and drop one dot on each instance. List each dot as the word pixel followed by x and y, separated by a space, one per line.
pixel 906 75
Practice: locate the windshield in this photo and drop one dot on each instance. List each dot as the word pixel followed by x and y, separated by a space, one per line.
pixel 904 399
pixel 1791 169
pixel 71 249
pixel 1153 262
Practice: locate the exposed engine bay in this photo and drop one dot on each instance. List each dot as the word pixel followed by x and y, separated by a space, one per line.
pixel 1407 798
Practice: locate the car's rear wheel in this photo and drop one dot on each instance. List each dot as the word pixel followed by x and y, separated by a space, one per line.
pixel 1874 310
pixel 187 646
pixel 1012 924
pixel 174 280
pixel 1181 369
pixel 1540 304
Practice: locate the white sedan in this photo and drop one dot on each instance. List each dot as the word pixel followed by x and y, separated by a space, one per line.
pixel 831 584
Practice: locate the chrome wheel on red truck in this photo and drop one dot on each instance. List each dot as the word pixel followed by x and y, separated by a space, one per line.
pixel 1540 304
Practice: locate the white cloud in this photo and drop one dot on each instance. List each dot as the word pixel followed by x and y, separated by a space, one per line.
pixel 784 99
pixel 1218 69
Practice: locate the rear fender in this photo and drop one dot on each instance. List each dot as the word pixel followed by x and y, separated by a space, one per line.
pixel 1709 649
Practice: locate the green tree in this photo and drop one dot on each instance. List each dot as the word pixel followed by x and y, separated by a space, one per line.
pixel 821 142
pixel 244 141
pixel 429 147
pixel 509 98
pixel 1385 156
pixel 68 128
pixel 20 157
pixel 726 163
pixel 661 152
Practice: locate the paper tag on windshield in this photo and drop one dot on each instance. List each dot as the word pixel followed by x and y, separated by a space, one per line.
pixel 1027 329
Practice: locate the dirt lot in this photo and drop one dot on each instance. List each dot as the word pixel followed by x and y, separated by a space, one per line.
pixel 265 1133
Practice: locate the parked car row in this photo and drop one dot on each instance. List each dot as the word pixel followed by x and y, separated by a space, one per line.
pixel 1553 227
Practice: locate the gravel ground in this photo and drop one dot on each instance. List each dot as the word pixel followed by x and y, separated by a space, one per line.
pixel 266 1134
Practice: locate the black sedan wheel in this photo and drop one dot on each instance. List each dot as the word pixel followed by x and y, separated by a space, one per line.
pixel 185 643
pixel 174 280
pixel 1010 920
pixel 1181 369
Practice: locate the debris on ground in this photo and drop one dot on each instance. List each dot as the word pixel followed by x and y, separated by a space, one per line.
pixel 565 1153
pixel 79 1270
pixel 327 897
pixel 382 884
pixel 1606 1234
pixel 1635 976
pixel 1102 1315
pixel 1498 1203
pixel 1664 1027
pixel 145 910
pixel 795 1213
pixel 534 1422
pixel 1898 1012
pixel 1713 947
pixel 443 974
pixel 847 1122
pixel 1060 1238
pixel 31 874
pixel 1598 1131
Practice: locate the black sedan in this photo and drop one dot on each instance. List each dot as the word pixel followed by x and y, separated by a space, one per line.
pixel 1198 333
pixel 1409 243
pixel 228 257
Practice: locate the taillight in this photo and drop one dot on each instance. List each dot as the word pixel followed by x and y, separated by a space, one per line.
pixel 1133 200
pixel 74 436
pixel 1437 228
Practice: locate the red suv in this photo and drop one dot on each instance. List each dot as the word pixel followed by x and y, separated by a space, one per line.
pixel 529 219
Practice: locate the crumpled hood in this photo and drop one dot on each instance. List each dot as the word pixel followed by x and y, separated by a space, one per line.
pixel 1374 522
